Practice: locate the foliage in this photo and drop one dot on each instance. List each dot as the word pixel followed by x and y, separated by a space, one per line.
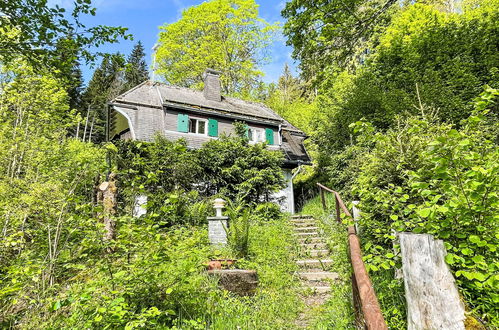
pixel 426 177
pixel 114 76
pixel 46 212
pixel 156 278
pixel 290 101
pixel 106 83
pixel 424 56
pixel 175 178
pixel 233 167
pixel 34 31
pixel 220 34
pixel 239 229
pixel 327 35
pixel 136 69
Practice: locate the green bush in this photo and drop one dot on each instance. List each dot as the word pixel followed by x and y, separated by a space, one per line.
pixel 425 177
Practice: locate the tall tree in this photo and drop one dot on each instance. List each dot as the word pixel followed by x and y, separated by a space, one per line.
pixel 107 82
pixel 289 99
pixel 32 30
pixel 226 35
pixel 136 69
pixel 333 33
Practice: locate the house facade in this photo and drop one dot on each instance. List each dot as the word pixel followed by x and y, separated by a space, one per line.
pixel 198 116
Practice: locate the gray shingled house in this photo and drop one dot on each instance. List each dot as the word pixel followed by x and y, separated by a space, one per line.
pixel 198 116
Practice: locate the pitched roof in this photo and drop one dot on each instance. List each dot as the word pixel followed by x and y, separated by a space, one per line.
pixel 156 94
pixel 151 94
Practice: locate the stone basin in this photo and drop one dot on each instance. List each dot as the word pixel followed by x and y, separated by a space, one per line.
pixel 239 281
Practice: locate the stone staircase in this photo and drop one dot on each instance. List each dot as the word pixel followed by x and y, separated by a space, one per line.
pixel 314 264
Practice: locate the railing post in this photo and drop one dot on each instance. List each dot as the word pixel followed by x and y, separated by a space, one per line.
pixel 323 199
pixel 338 212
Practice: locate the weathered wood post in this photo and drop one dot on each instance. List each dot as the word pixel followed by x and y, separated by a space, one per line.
pixel 323 199
pixel 338 211
pixel 107 196
pixel 430 290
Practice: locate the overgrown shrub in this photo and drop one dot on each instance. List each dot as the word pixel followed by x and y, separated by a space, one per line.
pixel 425 177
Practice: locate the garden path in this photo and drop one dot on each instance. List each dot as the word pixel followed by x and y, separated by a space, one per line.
pixel 314 264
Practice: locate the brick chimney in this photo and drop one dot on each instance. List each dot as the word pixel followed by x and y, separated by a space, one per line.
pixel 212 85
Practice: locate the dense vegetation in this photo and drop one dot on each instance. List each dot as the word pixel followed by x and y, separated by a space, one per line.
pixel 56 268
pixel 406 122
pixel 400 100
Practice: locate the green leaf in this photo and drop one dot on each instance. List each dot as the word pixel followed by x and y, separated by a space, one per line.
pixel 424 213
pixel 56 305
pixel 474 239
pixel 467 251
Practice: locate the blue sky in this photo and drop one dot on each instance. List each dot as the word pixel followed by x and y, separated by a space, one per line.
pixel 143 17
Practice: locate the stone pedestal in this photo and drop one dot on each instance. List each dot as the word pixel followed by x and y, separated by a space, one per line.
pixel 216 230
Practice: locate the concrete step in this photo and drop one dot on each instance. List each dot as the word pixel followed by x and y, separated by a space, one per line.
pixel 314 263
pixel 315 253
pixel 301 216
pixel 318 276
pixel 299 221
pixel 307 239
pixel 304 235
pixel 312 246
pixel 319 289
pixel 306 229
pixel 304 224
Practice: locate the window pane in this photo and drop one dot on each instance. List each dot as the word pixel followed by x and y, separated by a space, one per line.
pixel 201 126
pixel 192 125
pixel 250 134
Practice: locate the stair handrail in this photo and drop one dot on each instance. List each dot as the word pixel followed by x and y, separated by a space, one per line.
pixel 366 303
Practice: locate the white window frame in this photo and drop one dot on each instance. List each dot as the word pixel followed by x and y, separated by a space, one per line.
pixel 198 120
pixel 257 135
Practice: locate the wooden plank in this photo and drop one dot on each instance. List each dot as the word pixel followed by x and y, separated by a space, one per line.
pixel 432 297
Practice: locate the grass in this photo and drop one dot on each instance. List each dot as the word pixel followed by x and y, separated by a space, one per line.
pixel 337 312
pixel 276 304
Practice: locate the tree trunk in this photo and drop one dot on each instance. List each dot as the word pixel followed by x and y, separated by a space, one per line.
pixel 107 196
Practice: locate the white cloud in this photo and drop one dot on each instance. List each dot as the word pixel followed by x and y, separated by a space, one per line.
pixel 280 6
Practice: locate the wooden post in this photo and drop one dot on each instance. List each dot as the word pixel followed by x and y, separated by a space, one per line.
pixel 323 199
pixel 338 212
pixel 107 196
pixel 430 290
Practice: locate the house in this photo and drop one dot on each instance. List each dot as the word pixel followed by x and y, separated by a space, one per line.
pixel 198 116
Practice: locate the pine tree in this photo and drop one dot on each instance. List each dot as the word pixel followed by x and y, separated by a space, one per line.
pixel 289 86
pixel 136 70
pixel 107 82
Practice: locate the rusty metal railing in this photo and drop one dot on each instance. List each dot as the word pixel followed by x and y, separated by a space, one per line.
pixel 367 309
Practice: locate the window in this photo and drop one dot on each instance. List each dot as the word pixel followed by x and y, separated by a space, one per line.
pixel 256 134
pixel 197 126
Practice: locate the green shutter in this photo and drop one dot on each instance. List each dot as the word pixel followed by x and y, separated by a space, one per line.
pixel 183 123
pixel 246 131
pixel 269 135
pixel 212 127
